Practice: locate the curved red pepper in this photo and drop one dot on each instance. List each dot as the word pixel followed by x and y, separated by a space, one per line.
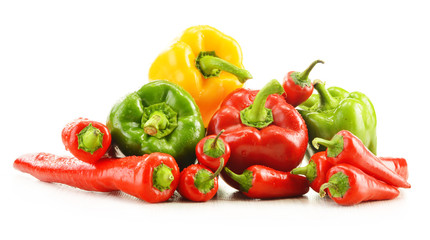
pixel 398 165
pixel 211 149
pixel 298 87
pixel 281 145
pixel 348 185
pixel 315 171
pixel 263 182
pixel 197 182
pixel 153 178
pixel 345 147
pixel 86 140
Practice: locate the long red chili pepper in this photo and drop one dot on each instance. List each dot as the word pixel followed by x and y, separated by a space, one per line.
pixel 345 147
pixel 398 165
pixel 197 182
pixel 153 178
pixel 87 140
pixel 315 171
pixel 348 185
pixel 297 85
pixel 211 149
pixel 263 182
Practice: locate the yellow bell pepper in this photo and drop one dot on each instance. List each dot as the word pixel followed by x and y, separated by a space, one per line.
pixel 206 63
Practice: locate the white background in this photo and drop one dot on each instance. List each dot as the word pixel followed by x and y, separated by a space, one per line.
pixel 60 60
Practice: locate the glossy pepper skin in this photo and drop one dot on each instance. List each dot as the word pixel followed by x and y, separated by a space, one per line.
pixel 335 109
pixel 348 185
pixel 152 178
pixel 206 63
pixel 211 149
pixel 198 183
pixel 347 148
pixel 263 182
pixel 87 140
pixel 279 143
pixel 159 117
pixel 315 171
pixel 297 85
pixel 398 165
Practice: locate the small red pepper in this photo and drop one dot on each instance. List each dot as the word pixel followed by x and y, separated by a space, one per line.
pixel 348 185
pixel 398 165
pixel 153 178
pixel 197 182
pixel 318 166
pixel 211 149
pixel 297 85
pixel 261 129
pixel 263 182
pixel 315 171
pixel 86 140
pixel 345 147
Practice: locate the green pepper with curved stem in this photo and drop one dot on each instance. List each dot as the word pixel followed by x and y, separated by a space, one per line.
pixel 334 109
pixel 159 117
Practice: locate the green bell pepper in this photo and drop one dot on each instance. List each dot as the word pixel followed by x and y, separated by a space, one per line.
pixel 159 117
pixel 335 109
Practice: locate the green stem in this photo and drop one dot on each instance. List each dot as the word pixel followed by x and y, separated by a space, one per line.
pixel 326 185
pixel 334 146
pixel 338 185
pixel 214 144
pixel 326 100
pixel 214 147
pixel 162 177
pixel 204 179
pixel 300 170
pixel 90 139
pixel 158 121
pixel 303 76
pixel 211 65
pixel 257 115
pixel 244 179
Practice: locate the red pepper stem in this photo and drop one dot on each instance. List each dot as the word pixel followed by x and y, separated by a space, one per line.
pixel 244 180
pixel 257 115
pixel 214 144
pixel 162 177
pixel 334 146
pixel 300 170
pixel 326 100
pixel 90 139
pixel 218 171
pixel 303 76
pixel 324 186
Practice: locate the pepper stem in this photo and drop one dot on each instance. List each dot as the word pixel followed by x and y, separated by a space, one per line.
pixel 210 66
pixel 326 185
pixel 90 139
pixel 334 146
pixel 214 147
pixel 162 177
pixel 326 100
pixel 157 121
pixel 257 115
pixel 338 185
pixel 303 76
pixel 204 179
pixel 309 171
pixel 244 179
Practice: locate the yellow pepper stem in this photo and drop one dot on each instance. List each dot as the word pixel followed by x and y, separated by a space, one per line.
pixel 210 66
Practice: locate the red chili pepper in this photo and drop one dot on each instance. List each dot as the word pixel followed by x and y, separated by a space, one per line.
pixel 315 171
pixel 263 182
pixel 398 165
pixel 198 183
pixel 261 129
pixel 345 147
pixel 348 185
pixel 87 140
pixel 152 177
pixel 211 149
pixel 297 85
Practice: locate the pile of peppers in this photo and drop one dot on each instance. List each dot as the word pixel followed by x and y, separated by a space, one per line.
pixel 194 122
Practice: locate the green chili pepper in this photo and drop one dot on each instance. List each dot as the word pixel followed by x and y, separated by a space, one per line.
pixel 334 109
pixel 159 117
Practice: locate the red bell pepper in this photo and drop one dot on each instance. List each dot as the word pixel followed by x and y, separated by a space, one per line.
pixel 348 185
pixel 211 149
pixel 315 171
pixel 263 182
pixel 261 129
pixel 153 178
pixel 197 182
pixel 345 147
pixel 87 140
pixel 297 85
